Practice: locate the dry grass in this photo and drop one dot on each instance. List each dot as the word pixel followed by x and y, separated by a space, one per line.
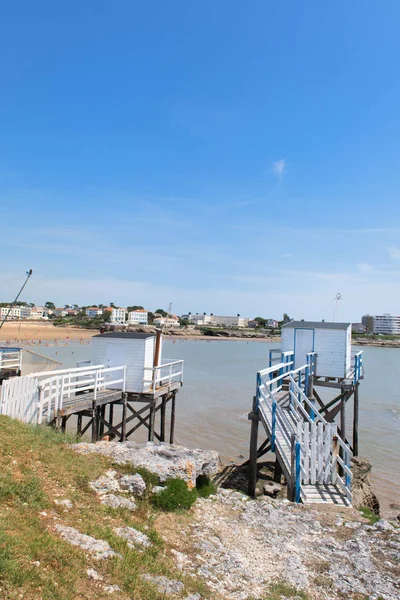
pixel 37 467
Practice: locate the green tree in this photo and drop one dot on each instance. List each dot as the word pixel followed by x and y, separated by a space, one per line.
pixel 134 307
pixel 106 316
pixel 50 305
pixel 161 312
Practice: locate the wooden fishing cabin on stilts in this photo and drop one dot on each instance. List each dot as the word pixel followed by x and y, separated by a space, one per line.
pixel 126 386
pixel 312 450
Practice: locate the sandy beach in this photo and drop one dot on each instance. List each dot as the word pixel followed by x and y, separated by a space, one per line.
pixel 26 332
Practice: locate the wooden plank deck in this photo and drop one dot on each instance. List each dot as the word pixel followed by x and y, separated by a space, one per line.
pixel 82 402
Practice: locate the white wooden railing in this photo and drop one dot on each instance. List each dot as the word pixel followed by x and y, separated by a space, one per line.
pixel 309 446
pixel 37 397
pixel 10 360
pixel 55 390
pixel 164 375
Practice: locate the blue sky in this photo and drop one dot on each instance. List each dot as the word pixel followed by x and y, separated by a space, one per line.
pixel 223 156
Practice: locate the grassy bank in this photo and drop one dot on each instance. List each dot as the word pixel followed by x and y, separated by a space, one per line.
pixel 37 468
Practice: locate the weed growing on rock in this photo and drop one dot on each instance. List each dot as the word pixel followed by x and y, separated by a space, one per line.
pixel 205 486
pixel 175 496
pixel 279 590
pixel 367 513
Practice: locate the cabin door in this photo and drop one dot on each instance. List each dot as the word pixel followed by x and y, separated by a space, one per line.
pixel 115 358
pixel 303 343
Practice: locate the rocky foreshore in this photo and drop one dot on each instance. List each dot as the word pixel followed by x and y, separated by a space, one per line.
pixel 241 547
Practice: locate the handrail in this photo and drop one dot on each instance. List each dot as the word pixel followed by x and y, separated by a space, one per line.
pixel 318 416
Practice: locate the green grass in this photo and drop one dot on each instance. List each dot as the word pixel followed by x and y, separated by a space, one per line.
pixel 205 486
pixel 37 466
pixel 367 513
pixel 176 496
pixel 279 590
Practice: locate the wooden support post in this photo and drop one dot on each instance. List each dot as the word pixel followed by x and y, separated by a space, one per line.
pixel 102 414
pixel 124 411
pixel 342 428
pixel 163 415
pixel 79 425
pixel 355 420
pixel 172 425
pixel 111 414
pixel 152 420
pixel 277 471
pixel 63 424
pixel 94 425
pixel 58 421
pixel 254 418
pixel 291 485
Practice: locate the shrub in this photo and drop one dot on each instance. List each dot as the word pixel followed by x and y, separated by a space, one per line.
pixel 367 513
pixel 175 496
pixel 205 486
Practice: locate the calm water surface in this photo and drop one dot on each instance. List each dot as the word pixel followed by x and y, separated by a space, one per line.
pixel 219 384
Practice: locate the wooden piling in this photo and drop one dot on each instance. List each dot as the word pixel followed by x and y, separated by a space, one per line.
pixel 79 425
pixel 152 420
pixel 254 418
pixel 94 425
pixel 172 424
pixel 163 415
pixel 124 411
pixel 355 420
pixel 277 471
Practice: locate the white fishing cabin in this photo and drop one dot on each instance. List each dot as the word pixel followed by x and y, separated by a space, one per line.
pixel 330 341
pixel 141 354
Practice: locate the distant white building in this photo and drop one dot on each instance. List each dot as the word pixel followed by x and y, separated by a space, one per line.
pixel 386 324
pixel 202 319
pixel 118 316
pixel 15 312
pixel 166 322
pixel 138 317
pixel 38 312
pixel 93 312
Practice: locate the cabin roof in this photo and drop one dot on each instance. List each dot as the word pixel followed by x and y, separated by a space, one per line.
pixel 125 335
pixel 317 325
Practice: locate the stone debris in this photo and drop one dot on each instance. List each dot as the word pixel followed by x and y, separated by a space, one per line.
pixel 106 484
pixel 165 585
pixel 133 537
pixel 164 460
pixel 119 502
pixel 244 546
pixel 181 559
pixel 110 589
pixel 99 548
pixel 93 574
pixel 134 484
pixel 193 597
pixel 272 489
pixel 65 503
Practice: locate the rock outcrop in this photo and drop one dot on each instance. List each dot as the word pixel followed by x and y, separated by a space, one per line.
pixel 165 460
pixel 362 494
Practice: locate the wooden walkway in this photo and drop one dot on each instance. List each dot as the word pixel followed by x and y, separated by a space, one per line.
pixel 310 454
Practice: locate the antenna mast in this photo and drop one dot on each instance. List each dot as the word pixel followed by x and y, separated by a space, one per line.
pixel 28 274
pixel 338 297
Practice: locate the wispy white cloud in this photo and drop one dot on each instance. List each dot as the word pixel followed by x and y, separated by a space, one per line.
pixel 365 268
pixel 279 168
pixel 286 255
pixel 394 252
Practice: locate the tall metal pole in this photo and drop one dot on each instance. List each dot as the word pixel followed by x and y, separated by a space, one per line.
pixel 28 274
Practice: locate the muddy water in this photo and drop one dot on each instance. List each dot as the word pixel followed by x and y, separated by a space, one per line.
pixel 219 384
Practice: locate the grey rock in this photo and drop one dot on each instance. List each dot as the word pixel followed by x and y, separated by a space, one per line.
pixel 361 490
pixel 133 483
pixel 193 597
pixel 93 574
pixel 110 589
pixel 119 502
pixel 383 525
pixel 105 484
pixel 99 548
pixel 165 585
pixel 353 525
pixel 272 489
pixel 165 460
pixel 65 503
pixel 134 538
pixel 156 489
